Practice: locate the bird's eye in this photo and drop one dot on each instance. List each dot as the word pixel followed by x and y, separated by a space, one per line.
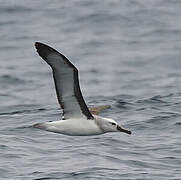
pixel 113 124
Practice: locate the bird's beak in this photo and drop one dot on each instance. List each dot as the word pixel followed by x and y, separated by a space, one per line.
pixel 119 128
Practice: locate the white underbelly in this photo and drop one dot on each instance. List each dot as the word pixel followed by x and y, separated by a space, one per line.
pixel 74 127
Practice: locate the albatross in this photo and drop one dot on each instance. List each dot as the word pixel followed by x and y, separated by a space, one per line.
pixel 78 119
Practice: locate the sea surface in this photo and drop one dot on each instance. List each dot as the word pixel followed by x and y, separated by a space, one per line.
pixel 129 57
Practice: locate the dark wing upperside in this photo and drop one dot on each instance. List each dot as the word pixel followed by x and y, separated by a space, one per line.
pixel 66 80
pixel 97 109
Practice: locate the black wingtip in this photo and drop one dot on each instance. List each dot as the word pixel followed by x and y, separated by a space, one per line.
pixel 37 44
pixel 40 46
pixel 41 49
pixel 44 50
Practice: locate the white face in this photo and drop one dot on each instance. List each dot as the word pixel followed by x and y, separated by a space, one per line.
pixel 109 125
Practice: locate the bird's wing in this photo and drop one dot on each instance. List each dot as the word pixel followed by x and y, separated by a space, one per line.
pixel 66 80
pixel 97 109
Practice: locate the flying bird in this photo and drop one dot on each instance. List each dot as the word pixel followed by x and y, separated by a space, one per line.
pixel 78 119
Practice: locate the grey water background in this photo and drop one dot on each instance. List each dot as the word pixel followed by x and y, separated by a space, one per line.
pixel 129 56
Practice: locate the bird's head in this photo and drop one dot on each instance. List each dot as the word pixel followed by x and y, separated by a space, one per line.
pixel 109 125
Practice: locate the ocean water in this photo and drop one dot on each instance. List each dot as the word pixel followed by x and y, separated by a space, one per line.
pixel 129 56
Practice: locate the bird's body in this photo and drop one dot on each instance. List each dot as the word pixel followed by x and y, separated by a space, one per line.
pixel 79 126
pixel 73 127
pixel 78 119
